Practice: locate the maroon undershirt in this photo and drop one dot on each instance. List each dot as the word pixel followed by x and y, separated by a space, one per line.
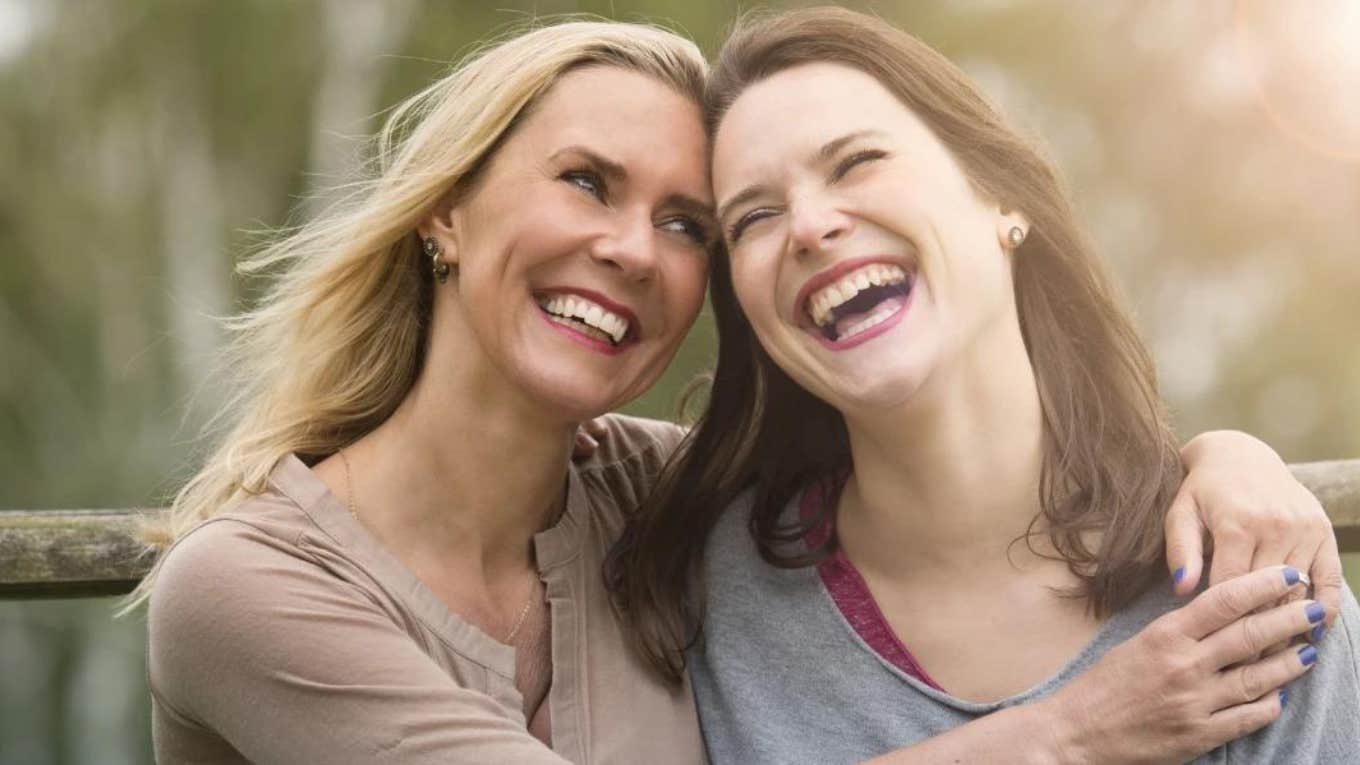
pixel 851 595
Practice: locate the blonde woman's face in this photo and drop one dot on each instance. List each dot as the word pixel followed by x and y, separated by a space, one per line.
pixel 582 253
pixel 860 252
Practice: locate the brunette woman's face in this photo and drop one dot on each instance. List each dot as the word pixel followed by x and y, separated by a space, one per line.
pixel 581 253
pixel 860 252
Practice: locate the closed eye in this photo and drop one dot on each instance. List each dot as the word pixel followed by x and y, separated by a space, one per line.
pixel 858 158
pixel 735 231
pixel 588 181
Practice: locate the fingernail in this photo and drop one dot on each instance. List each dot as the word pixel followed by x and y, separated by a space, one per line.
pixel 1284 696
pixel 1316 611
pixel 1316 634
pixel 1307 655
pixel 1178 575
pixel 1291 576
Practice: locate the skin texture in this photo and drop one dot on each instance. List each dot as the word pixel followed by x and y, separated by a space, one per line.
pixel 547 213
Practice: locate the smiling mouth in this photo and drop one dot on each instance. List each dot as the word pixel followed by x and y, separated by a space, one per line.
pixel 858 301
pixel 586 317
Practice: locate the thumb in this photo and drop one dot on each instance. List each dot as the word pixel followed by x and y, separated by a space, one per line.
pixel 1184 543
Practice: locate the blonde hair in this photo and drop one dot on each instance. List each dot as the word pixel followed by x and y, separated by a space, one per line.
pixel 339 338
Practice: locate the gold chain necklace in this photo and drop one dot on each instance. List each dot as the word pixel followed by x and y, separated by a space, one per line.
pixel 354 512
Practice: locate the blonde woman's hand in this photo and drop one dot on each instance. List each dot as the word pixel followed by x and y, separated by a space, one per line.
pixel 587 440
pixel 1187 683
pixel 1239 491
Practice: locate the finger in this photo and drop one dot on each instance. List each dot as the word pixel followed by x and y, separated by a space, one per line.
pixel 583 447
pixel 595 427
pixel 1184 543
pixel 1252 634
pixel 1233 549
pixel 1328 579
pixel 1299 558
pixel 1225 603
pixel 1235 722
pixel 1248 682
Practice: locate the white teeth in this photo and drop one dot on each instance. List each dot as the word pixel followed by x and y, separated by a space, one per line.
pixel 566 309
pixel 821 303
pixel 873 320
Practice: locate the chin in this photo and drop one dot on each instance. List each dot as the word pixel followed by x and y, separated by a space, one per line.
pixel 573 395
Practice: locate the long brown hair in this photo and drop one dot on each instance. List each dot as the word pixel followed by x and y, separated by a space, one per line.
pixel 1110 463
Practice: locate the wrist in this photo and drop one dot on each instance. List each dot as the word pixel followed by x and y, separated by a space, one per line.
pixel 1221 442
pixel 1061 738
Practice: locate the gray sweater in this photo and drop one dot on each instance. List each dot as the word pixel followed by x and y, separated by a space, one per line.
pixel 781 677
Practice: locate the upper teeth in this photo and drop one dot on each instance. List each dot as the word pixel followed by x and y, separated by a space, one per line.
pixel 593 314
pixel 821 302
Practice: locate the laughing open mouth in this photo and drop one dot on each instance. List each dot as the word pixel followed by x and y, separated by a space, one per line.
pixel 859 301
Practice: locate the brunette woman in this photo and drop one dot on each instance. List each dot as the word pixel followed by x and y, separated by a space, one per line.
pixel 931 480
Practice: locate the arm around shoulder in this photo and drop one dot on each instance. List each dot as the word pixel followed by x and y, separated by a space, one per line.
pixel 288 663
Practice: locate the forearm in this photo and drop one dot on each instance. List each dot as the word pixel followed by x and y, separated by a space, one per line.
pixel 1029 733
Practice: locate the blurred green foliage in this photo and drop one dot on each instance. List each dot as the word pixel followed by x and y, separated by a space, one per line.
pixel 143 141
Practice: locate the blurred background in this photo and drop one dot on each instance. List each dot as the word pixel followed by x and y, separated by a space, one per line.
pixel 1211 147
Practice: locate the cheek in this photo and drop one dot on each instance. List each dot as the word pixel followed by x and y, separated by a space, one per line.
pixel 753 292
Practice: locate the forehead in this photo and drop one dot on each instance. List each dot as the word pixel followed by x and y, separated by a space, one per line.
pixel 628 117
pixel 795 112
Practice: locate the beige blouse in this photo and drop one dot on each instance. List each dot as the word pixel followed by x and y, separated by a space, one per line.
pixel 281 631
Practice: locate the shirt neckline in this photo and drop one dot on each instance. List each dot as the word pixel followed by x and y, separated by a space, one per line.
pixel 553 547
pixel 807 502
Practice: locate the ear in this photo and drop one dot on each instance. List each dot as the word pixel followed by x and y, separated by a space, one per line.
pixel 444 224
pixel 1008 222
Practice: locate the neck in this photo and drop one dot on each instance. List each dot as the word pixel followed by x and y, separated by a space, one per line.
pixel 945 482
pixel 466 466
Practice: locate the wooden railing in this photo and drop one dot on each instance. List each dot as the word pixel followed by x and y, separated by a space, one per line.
pixel 86 553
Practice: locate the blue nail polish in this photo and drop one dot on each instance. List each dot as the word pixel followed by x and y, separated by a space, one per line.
pixel 1284 696
pixel 1178 575
pixel 1307 655
pixel 1291 576
pixel 1316 634
pixel 1316 611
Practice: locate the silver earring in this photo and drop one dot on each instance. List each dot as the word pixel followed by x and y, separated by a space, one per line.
pixel 437 266
pixel 1016 236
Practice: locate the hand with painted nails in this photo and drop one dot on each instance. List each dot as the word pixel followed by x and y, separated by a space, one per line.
pixel 1239 491
pixel 1188 682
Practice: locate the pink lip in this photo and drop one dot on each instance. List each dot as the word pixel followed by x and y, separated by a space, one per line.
pixel 609 349
pixel 832 274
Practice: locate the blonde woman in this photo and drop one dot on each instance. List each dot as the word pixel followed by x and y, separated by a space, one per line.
pixel 390 558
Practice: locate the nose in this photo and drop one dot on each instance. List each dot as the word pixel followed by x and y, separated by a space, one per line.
pixel 629 247
pixel 815 224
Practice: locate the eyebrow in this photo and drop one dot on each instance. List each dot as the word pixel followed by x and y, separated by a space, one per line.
pixel 826 152
pixel 701 211
pixel 611 169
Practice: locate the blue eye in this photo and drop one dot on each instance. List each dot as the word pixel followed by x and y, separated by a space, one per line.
pixel 689 227
pixel 586 180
